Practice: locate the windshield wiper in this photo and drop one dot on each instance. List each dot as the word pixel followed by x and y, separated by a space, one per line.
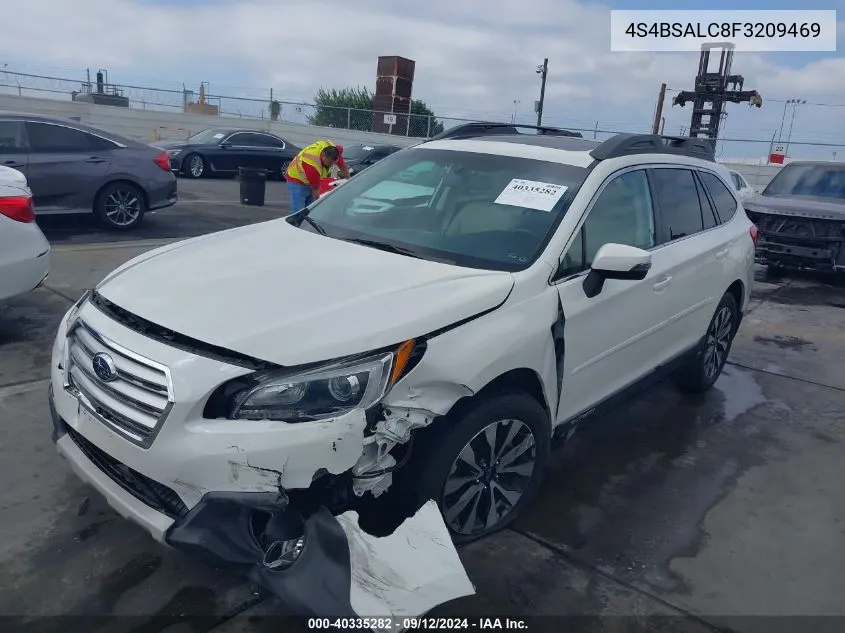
pixel 383 246
pixel 314 224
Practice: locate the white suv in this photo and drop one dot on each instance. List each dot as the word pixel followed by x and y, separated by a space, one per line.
pixel 251 392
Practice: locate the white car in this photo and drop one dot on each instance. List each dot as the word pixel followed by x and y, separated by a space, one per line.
pixel 334 396
pixel 24 251
pixel 741 185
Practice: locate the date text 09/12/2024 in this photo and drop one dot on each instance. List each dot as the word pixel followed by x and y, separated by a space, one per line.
pixel 416 624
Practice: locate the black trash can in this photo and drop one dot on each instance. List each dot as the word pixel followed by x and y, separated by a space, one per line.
pixel 253 186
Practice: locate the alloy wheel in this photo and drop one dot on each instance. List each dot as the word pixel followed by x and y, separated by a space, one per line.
pixel 718 342
pixel 122 207
pixel 489 477
pixel 196 166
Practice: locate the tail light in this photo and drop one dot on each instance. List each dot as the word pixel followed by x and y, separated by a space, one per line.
pixel 163 161
pixel 754 233
pixel 18 208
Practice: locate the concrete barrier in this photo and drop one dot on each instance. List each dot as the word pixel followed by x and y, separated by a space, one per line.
pixel 150 126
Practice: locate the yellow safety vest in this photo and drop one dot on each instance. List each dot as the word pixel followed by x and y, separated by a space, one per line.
pixel 311 156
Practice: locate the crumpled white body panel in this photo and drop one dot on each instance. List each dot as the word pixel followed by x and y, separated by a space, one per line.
pixel 407 573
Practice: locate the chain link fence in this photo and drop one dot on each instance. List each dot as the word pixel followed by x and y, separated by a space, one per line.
pixel 261 105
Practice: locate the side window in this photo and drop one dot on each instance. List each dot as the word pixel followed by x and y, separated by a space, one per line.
pixel 722 197
pixel 378 155
pixel 44 137
pixel 249 140
pixel 99 144
pixel 677 198
pixel 622 214
pixel 736 180
pixel 12 137
pixel 708 214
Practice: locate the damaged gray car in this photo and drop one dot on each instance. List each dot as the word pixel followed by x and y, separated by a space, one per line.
pixel 801 218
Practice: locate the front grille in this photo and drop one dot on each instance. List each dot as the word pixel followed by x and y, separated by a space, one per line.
pixel 138 398
pixel 158 496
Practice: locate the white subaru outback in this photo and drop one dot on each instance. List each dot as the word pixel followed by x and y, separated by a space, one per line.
pixel 330 400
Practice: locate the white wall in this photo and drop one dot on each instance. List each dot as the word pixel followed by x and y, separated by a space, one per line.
pixel 152 125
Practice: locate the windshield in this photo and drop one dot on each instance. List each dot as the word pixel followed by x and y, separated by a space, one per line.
pixel 356 152
pixel 816 181
pixel 207 137
pixel 477 210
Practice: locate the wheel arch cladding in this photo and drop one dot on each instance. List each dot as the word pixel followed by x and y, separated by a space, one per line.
pixel 123 181
pixel 737 290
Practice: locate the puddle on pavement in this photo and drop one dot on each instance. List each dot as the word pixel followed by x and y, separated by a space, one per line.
pixel 741 391
pixel 629 494
pixel 785 342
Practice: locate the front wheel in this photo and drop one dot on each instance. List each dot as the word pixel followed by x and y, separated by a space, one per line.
pixel 702 371
pixel 120 206
pixel 484 467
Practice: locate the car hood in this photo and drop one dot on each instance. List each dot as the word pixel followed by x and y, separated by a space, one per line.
pixel 800 206
pixel 285 295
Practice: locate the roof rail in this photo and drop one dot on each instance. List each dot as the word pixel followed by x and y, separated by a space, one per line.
pixel 628 144
pixel 474 130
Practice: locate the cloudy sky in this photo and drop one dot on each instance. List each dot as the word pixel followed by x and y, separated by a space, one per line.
pixel 475 58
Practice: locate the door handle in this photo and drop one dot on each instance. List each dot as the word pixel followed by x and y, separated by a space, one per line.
pixel 95 159
pixel 722 254
pixel 660 285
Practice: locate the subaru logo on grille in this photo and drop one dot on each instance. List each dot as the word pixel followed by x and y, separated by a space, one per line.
pixel 104 367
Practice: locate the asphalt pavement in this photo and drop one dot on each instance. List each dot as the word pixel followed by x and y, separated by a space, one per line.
pixel 714 511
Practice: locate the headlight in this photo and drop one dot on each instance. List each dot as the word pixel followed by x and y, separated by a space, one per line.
pixel 323 392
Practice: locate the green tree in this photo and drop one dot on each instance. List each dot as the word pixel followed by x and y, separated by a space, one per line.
pixel 351 108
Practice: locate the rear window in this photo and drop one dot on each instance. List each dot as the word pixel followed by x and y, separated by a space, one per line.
pixel 469 209
pixel 815 181
pixel 721 196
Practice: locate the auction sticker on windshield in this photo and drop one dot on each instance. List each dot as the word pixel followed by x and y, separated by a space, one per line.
pixel 530 194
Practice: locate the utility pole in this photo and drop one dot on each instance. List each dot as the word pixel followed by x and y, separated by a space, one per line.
pixel 542 71
pixel 658 113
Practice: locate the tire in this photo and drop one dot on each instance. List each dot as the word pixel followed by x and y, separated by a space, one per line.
pixel 434 467
pixel 705 367
pixel 194 166
pixel 120 206
pixel 283 169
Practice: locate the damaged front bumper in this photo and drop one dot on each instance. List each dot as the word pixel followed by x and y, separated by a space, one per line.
pixel 319 564
pixel 800 243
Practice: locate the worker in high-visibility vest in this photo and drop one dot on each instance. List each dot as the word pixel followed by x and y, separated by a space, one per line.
pixel 308 168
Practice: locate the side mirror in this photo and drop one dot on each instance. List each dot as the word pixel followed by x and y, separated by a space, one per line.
pixel 225 145
pixel 616 261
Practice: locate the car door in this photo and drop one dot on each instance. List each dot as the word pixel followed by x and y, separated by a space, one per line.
pixel 693 246
pixel 66 166
pixel 617 336
pixel 271 151
pixel 13 145
pixel 251 150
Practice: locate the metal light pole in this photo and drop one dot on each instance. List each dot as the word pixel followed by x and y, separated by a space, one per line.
pixel 795 104
pixel 516 103
pixel 542 71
